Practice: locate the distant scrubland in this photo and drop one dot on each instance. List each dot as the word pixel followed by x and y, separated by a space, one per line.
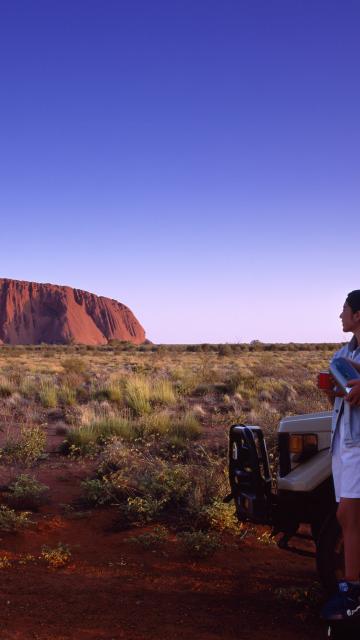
pixel 152 420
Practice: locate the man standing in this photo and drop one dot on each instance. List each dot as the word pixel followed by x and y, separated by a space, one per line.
pixel 345 448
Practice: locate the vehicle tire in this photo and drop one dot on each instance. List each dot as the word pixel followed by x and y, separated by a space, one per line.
pixel 330 554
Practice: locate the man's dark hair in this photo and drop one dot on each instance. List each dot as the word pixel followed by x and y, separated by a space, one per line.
pixel 353 300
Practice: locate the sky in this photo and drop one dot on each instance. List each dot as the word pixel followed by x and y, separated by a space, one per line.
pixel 198 160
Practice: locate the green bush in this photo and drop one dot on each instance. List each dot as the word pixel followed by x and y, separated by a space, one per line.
pixel 56 557
pixel 143 509
pixel 11 521
pixel 147 487
pixel 219 516
pixel 26 493
pixel 150 539
pixel 200 544
pixel 98 491
pixel 28 449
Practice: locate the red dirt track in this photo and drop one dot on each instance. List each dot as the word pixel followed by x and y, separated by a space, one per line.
pixel 113 589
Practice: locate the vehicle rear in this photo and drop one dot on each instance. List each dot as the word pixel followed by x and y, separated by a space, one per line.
pixel 302 489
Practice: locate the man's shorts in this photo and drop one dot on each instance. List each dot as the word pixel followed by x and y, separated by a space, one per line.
pixel 345 467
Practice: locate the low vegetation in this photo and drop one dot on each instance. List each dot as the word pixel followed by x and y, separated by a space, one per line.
pixel 56 557
pixel 153 420
pixel 12 521
pixel 28 448
pixel 25 492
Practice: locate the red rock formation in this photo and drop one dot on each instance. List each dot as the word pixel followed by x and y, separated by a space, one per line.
pixel 31 313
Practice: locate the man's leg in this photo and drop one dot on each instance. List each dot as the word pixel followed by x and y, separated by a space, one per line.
pixel 348 515
pixel 345 604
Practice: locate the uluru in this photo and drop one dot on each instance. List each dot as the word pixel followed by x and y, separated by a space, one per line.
pixel 35 313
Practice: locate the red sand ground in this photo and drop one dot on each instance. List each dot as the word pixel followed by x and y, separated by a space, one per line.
pixel 113 589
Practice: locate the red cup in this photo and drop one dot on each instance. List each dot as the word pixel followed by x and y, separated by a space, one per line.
pixel 325 381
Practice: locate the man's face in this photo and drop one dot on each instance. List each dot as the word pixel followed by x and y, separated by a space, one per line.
pixel 350 320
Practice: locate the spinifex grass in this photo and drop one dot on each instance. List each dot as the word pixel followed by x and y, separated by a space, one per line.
pixel 48 394
pixel 98 432
pixel 137 394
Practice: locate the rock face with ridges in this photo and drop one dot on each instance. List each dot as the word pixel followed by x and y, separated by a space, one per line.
pixel 32 313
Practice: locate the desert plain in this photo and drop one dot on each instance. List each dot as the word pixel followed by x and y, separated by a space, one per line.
pixel 113 470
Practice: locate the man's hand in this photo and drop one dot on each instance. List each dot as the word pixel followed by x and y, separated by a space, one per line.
pixel 353 398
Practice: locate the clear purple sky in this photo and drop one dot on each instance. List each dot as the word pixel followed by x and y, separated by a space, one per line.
pixel 198 160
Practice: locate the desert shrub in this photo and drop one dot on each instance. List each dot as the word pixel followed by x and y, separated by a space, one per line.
pixel 185 427
pixel 28 387
pixel 67 395
pixel 97 491
pixel 26 493
pixel 266 538
pixel 157 424
pixel 142 509
pixel 200 544
pixel 249 386
pixel 162 392
pixel 219 516
pixel 74 365
pixel 48 394
pixel 5 562
pixel 150 539
pixel 72 414
pixel 233 382
pixel 29 448
pixel 312 594
pixel 147 487
pixel 56 557
pixel 202 389
pixel 181 429
pixel 12 521
pixel 137 394
pixel 15 375
pixel 84 438
pixel 111 391
pixel 6 387
pixel 225 350
pixel 185 381
pixel 115 393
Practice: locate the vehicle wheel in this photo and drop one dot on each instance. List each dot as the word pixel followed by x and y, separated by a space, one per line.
pixel 330 554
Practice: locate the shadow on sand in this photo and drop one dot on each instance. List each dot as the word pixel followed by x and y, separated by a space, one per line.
pixel 344 631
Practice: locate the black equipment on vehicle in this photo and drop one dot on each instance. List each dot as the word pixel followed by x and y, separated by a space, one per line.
pixel 249 474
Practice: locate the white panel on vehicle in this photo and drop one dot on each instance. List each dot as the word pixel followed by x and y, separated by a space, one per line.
pixel 307 423
pixel 308 475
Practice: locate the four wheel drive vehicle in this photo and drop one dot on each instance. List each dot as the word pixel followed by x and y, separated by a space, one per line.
pixel 304 488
